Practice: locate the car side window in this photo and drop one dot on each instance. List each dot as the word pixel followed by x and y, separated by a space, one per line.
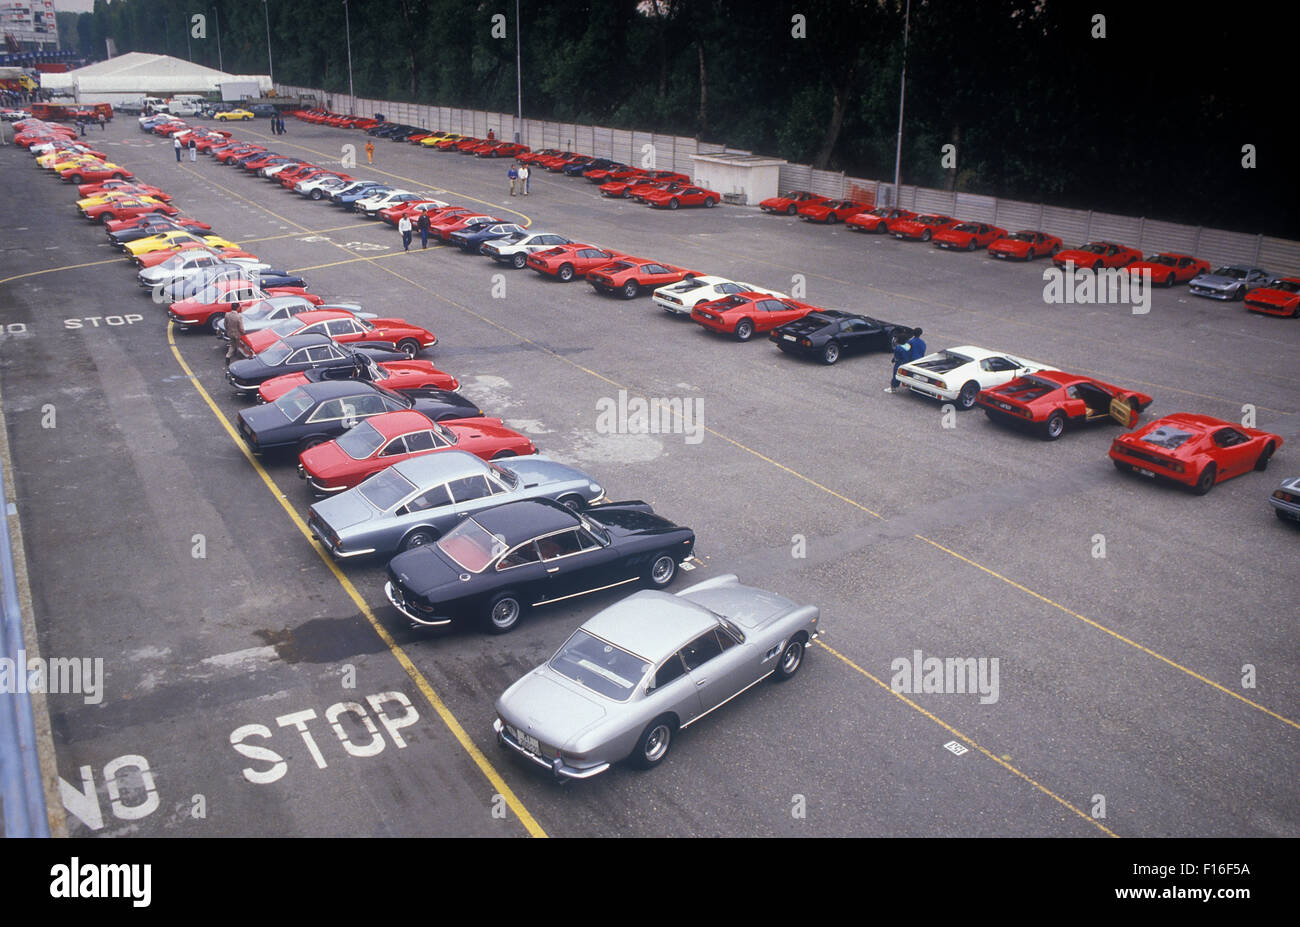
pixel 1229 437
pixel 328 411
pixel 654 269
pixel 432 499
pixel 701 650
pixel 520 556
pixel 725 640
pixel 340 327
pixel 469 488
pixel 564 544
pixel 672 668
pixel 366 405
pixel 421 441
pixel 394 447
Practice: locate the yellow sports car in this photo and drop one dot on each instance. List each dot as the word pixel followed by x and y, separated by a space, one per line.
pixel 438 137
pixel 54 158
pixel 110 196
pixel 228 115
pixel 174 241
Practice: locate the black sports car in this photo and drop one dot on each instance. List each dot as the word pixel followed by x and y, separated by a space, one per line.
pixel 153 227
pixel 299 353
pixel 829 334
pixel 314 413
pixel 500 561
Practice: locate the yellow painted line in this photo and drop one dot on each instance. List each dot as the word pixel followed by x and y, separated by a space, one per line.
pixel 55 270
pixel 370 257
pixel 960 736
pixel 337 228
pixel 485 766
pixel 419 183
pixel 1115 634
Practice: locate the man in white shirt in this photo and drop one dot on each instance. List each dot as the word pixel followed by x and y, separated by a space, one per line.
pixel 404 226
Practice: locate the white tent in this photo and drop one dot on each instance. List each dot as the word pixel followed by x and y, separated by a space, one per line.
pixel 136 74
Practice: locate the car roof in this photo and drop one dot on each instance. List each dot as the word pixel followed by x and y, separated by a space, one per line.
pixel 321 390
pixel 516 522
pixel 392 424
pixel 428 469
pixel 307 339
pixel 651 624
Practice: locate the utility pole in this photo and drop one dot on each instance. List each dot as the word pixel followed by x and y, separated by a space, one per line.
pixel 217 17
pixel 902 91
pixel 352 97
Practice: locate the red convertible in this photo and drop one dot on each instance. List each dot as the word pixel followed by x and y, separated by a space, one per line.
pixel 1025 245
pixel 1050 399
pixel 1281 297
pixel 628 276
pixel 831 211
pixel 790 202
pixel 1097 254
pixel 922 228
pixel 410 374
pixel 565 262
pixel 878 220
pixel 345 328
pixel 967 236
pixel 1194 450
pixel 687 196
pixel 391 437
pixel 743 314
pixel 1169 268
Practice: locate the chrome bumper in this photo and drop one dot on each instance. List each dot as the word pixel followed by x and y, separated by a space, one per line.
pixel 556 766
pixel 402 607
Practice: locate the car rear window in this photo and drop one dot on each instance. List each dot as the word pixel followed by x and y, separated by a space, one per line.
pixel 600 666
pixel 385 489
pixel 946 361
pixel 1167 436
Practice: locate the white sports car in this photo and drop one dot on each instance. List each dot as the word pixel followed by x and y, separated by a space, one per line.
pixel 680 298
pixel 372 204
pixel 958 374
pixel 320 187
pixel 515 249
pixel 193 262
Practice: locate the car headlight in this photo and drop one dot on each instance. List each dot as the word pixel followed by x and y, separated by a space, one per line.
pixel 595 488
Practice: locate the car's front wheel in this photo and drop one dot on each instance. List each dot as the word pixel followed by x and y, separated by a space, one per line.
pixel 1262 463
pixel 927 235
pixel 306 444
pixel 503 612
pixel 519 261
pixel 673 203
pixel 709 203
pixel 663 569
pixel 791 210
pixel 1205 482
pixel 655 742
pixel 566 273
pixel 966 398
pixel 830 353
pixel 409 346
pixel 316 194
pixel 214 323
pixel 791 658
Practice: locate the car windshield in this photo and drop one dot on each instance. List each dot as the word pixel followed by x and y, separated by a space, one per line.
pixel 360 441
pixel 1167 436
pixel 385 489
pixel 1234 272
pixel 1167 259
pixel 275 355
pixel 294 403
pixel 471 546
pixel 599 666
pixel 1094 247
pixel 966 227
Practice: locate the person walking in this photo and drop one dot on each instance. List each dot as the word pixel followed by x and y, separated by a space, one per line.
pixel 513 174
pixel 194 148
pixel 81 124
pixel 423 226
pixel 524 173
pixel 176 144
pixel 404 226
pixel 370 152
pixel 234 332
pixel 902 354
pixel 102 122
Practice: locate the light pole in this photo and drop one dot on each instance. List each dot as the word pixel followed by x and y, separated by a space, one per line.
pixel 519 79
pixel 347 22
pixel 902 91
pixel 216 14
pixel 269 66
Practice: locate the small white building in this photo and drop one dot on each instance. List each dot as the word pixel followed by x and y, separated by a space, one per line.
pixel 743 179
pixel 136 75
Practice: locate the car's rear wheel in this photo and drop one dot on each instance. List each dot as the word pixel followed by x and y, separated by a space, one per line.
pixel 630 289
pixel 655 742
pixel 1239 295
pixel 831 353
pixel 662 571
pixel 791 210
pixel 1029 255
pixel 710 202
pixel 744 330
pixel 966 398
pixel 1054 426
pixel 316 194
pixel 571 501
pixel 1169 280
pixel 503 612
pixel 420 537
pixel 927 235
pixel 75 178
pixel 791 658
pixel 409 346
pixel 1205 482
pixel 107 218
pixel 1096 265
pixel 970 245
pixel 565 273
pixel 1262 463
pixel 831 218
pixel 519 261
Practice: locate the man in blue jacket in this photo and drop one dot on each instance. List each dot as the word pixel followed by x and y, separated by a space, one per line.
pixel 908 347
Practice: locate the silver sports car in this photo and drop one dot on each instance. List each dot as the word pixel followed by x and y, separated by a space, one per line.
pixel 418 500
pixel 638 672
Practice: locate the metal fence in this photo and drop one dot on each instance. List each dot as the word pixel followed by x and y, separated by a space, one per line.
pixel 670 152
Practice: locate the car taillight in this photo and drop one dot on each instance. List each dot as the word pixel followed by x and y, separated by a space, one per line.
pixel 806 343
pixel 940 384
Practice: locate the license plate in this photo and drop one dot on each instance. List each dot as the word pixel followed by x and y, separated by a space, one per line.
pixel 899 235
pixel 1005 405
pixel 788 338
pixel 528 742
pixel 1148 473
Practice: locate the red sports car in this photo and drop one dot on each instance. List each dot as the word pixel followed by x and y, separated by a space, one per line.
pixel 630 275
pixel 831 211
pixel 503 150
pixel 154 258
pixel 1194 450
pixel 1097 254
pixel 967 236
pixel 565 262
pixel 790 201
pixel 345 328
pixel 410 374
pixel 220 296
pixel 122 186
pixel 127 209
pixel 743 314
pixel 92 173
pixel 1025 245
pixel 391 437
pixel 532 157
pixel 878 220
pixel 555 165
pixel 1281 297
pixel 436 209
pixel 444 225
pixel 1050 399
pixel 686 196
pixel 613 173
pixel 922 228
pixel 1169 268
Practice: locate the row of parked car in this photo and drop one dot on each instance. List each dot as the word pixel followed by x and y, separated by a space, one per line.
pixel 475 524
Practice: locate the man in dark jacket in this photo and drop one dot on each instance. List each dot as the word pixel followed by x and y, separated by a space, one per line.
pixel 423 226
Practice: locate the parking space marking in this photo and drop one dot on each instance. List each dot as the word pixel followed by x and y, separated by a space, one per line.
pixel 55 270
pixel 958 734
pixel 426 689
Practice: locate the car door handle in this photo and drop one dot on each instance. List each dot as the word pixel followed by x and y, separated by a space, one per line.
pixel 552 569
pixel 700 682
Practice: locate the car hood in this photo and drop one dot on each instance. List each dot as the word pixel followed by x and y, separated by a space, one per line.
pixel 537 470
pixel 549 708
pixel 1266 295
pixel 1216 280
pixel 630 521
